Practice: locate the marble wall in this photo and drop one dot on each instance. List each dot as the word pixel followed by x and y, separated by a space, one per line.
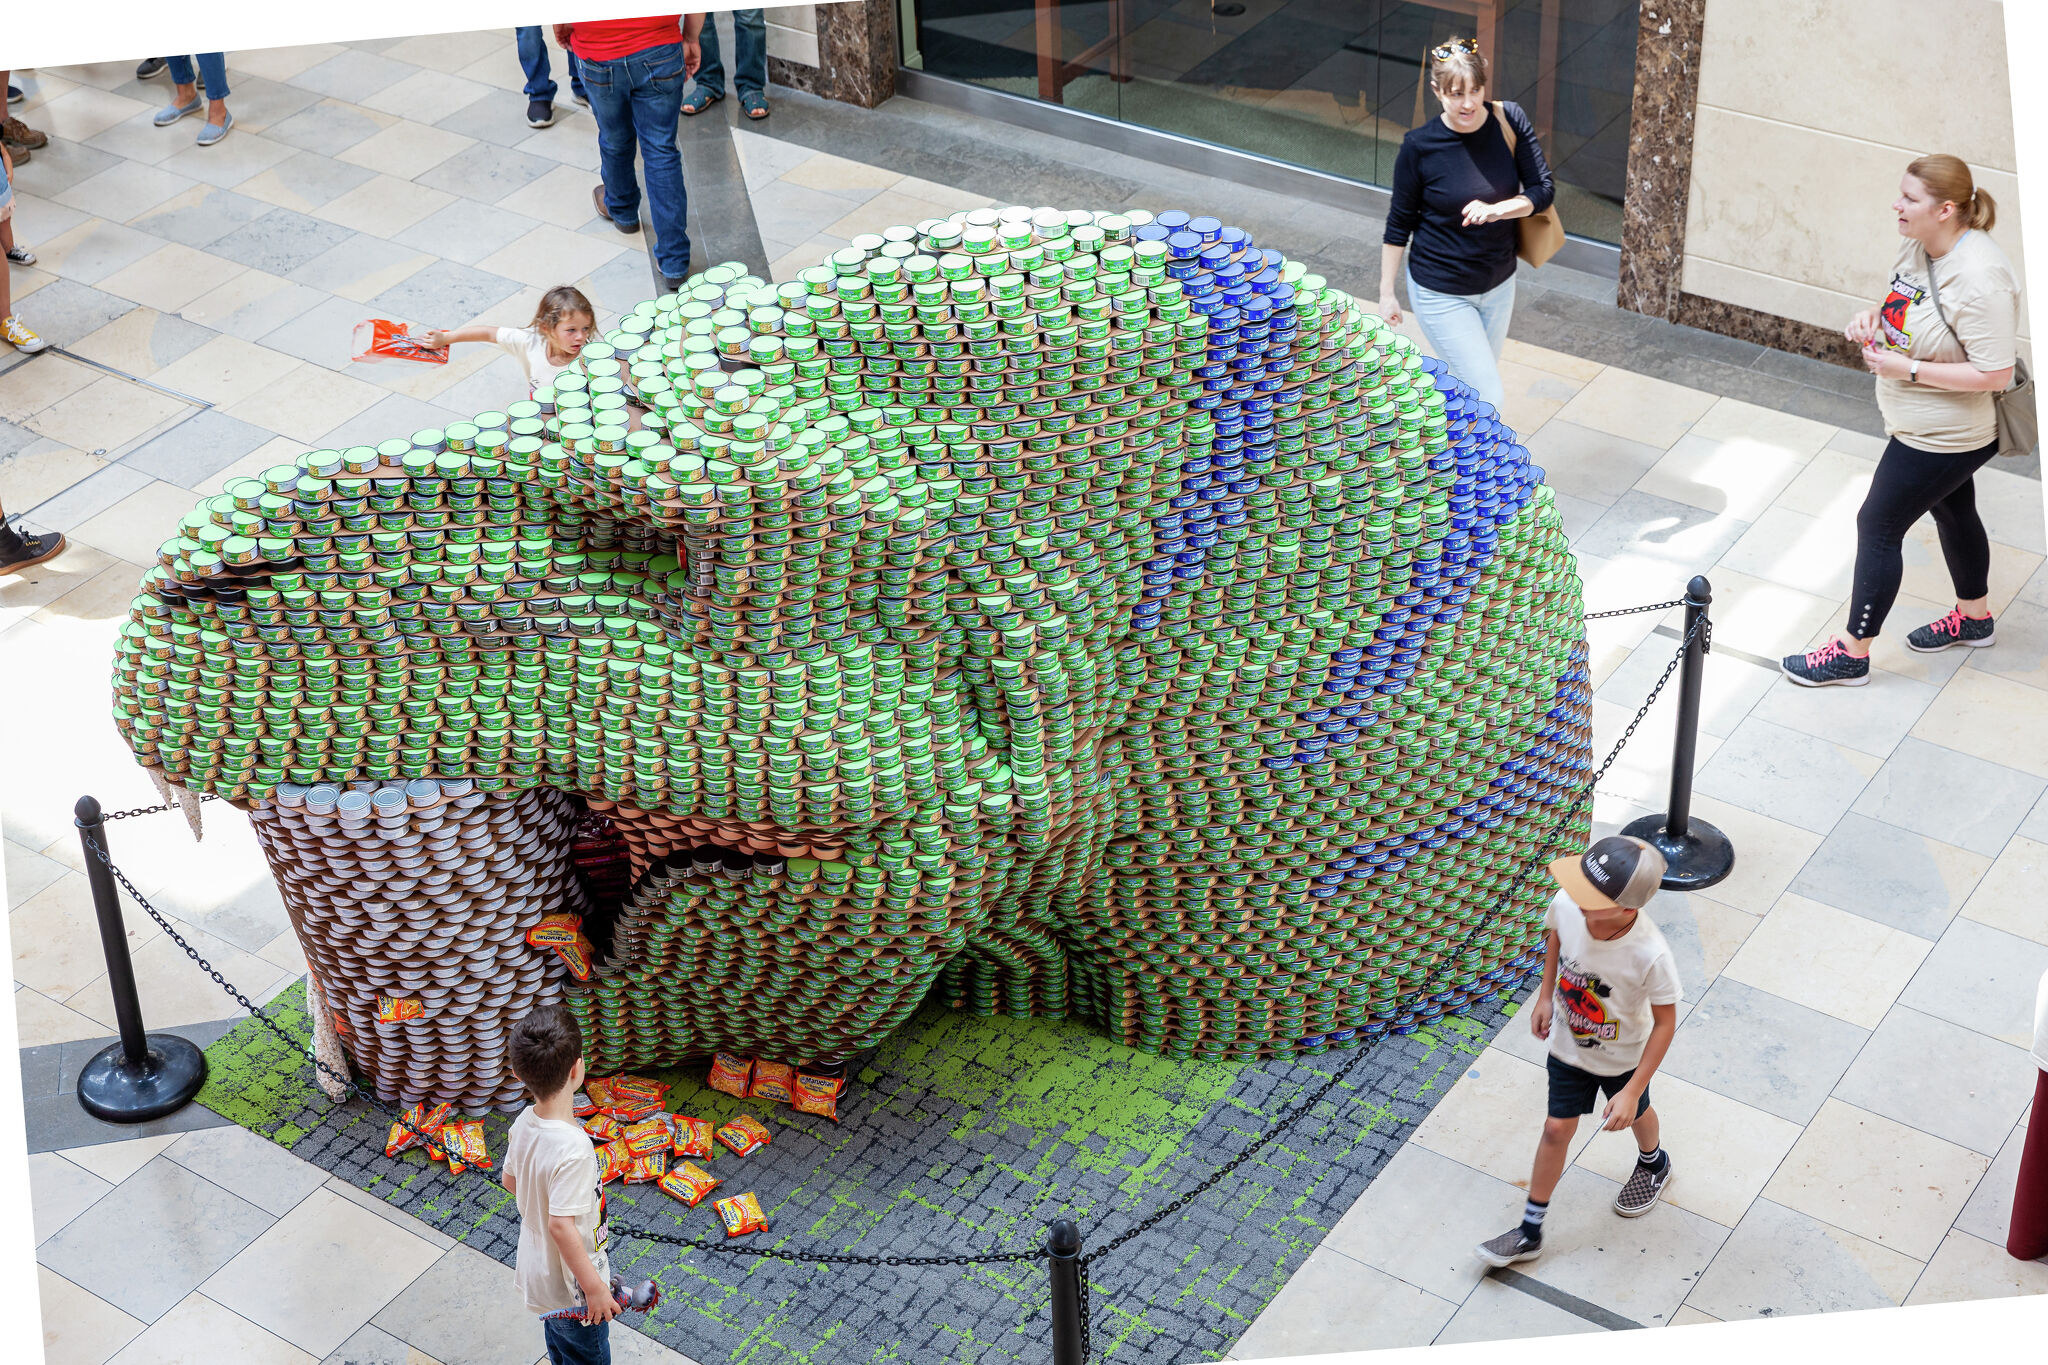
pixel 855 50
pixel 793 33
pixel 1776 131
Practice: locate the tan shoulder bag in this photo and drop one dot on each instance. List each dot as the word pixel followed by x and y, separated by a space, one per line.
pixel 1539 236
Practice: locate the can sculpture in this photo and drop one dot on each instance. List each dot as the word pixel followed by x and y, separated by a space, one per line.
pixel 1049 613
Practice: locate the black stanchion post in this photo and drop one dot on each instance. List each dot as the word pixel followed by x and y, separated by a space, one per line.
pixel 146 1075
pixel 1696 854
pixel 1063 1264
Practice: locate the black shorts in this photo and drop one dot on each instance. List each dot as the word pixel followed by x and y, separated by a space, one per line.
pixel 1572 1091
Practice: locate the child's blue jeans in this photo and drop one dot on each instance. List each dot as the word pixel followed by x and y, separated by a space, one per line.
pixel 570 1342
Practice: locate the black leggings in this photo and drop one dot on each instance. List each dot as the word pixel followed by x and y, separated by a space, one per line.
pixel 1908 485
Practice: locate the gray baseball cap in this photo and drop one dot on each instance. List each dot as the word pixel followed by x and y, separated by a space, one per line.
pixel 1618 870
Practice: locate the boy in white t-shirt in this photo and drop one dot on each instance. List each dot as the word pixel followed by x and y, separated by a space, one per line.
pixel 562 325
pixel 1610 980
pixel 551 1170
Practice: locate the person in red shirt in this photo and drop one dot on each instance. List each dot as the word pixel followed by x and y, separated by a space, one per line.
pixel 633 71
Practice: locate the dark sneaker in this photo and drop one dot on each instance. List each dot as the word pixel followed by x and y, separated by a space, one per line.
pixel 1831 665
pixel 14 95
pixel 21 255
pixel 1644 1187
pixel 18 135
pixel 1971 632
pixel 1510 1247
pixel 36 549
pixel 540 113
pixel 151 66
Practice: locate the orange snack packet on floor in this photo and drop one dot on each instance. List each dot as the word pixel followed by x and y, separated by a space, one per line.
pixel 426 1120
pixel 583 1106
pixel 648 1135
pixel 612 1160
pixel 742 1214
pixel 463 1143
pixel 604 1128
pixel 731 1074
pixel 744 1135
pixel 689 1182
pixel 632 1111
pixel 773 1081
pixel 817 1095
pixel 638 1088
pixel 692 1136
pixel 599 1088
pixel 642 1169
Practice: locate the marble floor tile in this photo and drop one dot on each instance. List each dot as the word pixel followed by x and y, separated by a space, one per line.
pixel 114 1162
pixel 1641 1268
pixel 855 180
pixel 1731 420
pixel 1596 465
pixel 550 252
pixel 561 197
pixel 1830 487
pixel 1970 802
pixel 2021 651
pixel 29 388
pixel 1561 363
pixel 255 1168
pixel 79 1327
pixel 1789 776
pixel 56 938
pixel 2010 506
pixel 353 74
pixel 462 1310
pixel 1421 1216
pixel 1828 960
pixel 66 312
pixel 427 96
pixel 284 63
pixel 60 1190
pixel 305 404
pixel 1531 396
pixel 174 1229
pixel 142 341
pixel 374 1346
pixel 133 528
pixel 250 305
pixel 1704 935
pixel 445 292
pixel 1968 1268
pixel 201 1332
pixel 1723 1151
pixel 232 163
pixel 191 451
pixel 465 232
pixel 1783 1263
pixel 177 993
pixel 1638 407
pixel 361 267
pixel 1941 1078
pixel 304 181
pixel 122 192
pixel 406 150
pixel 106 415
pixel 1995 719
pixel 443 52
pixel 39 1019
pixel 94 250
pixel 1492 1118
pixel 225 370
pixel 1926 572
pixel 1335 1304
pixel 1495 1312
pixel 484 173
pixel 1877 1178
pixel 27 873
pixel 171 276
pixel 41 471
pixel 390 1213
pixel 282 1281
pixel 1870 719
pixel 1891 875
pixel 1815 555
pixel 1681 537
pixel 1988 1214
pixel 323 334
pixel 1983 979
pixel 1763 1050
pixel 1730 687
pixel 383 205
pixel 2009 896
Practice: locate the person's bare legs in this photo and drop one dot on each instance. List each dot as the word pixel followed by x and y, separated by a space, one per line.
pixel 1646 1130
pixel 1551 1151
pixel 216 110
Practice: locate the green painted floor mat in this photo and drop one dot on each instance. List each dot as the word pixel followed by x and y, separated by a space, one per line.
pixel 959 1134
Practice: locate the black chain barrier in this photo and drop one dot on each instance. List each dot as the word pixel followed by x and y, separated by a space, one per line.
pixel 1700 630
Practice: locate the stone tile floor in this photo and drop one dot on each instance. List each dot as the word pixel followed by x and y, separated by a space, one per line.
pixel 1848 1089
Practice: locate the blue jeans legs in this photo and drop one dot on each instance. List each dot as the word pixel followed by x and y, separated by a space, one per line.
pixel 533 57
pixel 750 61
pixel 1467 331
pixel 212 65
pixel 638 98
pixel 572 1343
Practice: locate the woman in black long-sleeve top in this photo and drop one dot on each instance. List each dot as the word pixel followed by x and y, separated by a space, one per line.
pixel 1458 188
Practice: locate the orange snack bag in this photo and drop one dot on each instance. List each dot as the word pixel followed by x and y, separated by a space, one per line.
pixel 583 1106
pixel 648 1135
pixel 773 1081
pixel 632 1111
pixel 378 339
pixel 817 1095
pixel 599 1088
pixel 464 1144
pixel 420 1117
pixel 689 1182
pixel 744 1135
pixel 612 1160
pixel 399 1009
pixel 642 1169
pixel 604 1128
pixel 692 1136
pixel 639 1088
pixel 742 1214
pixel 731 1074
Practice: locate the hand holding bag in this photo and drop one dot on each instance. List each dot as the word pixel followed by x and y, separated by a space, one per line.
pixel 1539 236
pixel 2019 424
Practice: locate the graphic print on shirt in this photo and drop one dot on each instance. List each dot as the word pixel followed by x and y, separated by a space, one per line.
pixel 1892 316
pixel 601 1235
pixel 1585 1012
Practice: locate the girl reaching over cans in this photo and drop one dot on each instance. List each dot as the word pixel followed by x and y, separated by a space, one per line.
pixel 561 325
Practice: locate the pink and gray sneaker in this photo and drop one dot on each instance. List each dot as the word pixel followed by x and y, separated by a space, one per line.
pixel 1832 665
pixel 1951 631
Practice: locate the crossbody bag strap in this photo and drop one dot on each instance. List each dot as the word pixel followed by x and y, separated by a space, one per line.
pixel 1507 129
pixel 1934 292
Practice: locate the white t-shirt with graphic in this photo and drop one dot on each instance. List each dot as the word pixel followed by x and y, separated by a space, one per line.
pixel 1980 294
pixel 554 1169
pixel 530 348
pixel 1605 988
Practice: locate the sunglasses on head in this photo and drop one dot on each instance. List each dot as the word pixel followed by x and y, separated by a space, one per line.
pixel 1453 47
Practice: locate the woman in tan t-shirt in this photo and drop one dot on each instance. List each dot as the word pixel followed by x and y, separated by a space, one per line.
pixel 1935 382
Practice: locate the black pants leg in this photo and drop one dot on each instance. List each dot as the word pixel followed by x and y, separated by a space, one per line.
pixel 1908 485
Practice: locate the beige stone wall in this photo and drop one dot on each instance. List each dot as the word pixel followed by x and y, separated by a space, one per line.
pixel 1809 111
pixel 793 33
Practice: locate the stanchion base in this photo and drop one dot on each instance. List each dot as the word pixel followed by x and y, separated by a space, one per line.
pixel 171 1073
pixel 1694 861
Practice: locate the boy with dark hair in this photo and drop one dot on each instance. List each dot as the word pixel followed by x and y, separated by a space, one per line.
pixel 1619 984
pixel 551 1170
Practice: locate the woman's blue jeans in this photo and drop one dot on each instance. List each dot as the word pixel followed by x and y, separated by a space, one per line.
pixel 639 97
pixel 212 65
pixel 1467 331
pixel 749 63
